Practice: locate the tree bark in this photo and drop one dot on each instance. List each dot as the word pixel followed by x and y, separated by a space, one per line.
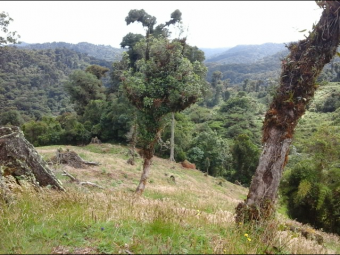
pixel 147 153
pixel 145 175
pixel 19 159
pixel 297 86
pixel 172 139
pixel 133 140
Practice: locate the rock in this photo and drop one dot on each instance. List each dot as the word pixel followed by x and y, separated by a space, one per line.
pixel 19 161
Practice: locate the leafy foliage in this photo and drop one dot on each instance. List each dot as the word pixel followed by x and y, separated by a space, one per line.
pixel 31 81
pixel 8 37
pixel 64 129
pixel 103 53
pixel 82 88
pixel 166 82
pixel 311 187
pixel 245 157
pixel 210 152
pixel 237 116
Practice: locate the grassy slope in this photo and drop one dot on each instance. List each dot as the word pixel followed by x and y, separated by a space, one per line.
pixel 193 215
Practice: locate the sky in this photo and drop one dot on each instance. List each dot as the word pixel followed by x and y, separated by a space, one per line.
pixel 207 24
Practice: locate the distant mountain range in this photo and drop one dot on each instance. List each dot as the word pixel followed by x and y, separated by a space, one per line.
pixel 213 52
pixel 104 52
pixel 236 63
pixel 246 53
pixel 227 55
pixel 32 75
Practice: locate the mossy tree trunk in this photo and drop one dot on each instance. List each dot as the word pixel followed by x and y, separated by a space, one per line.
pixel 297 86
pixel 145 176
pixel 147 153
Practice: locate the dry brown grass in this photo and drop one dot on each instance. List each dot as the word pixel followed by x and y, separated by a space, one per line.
pixel 194 201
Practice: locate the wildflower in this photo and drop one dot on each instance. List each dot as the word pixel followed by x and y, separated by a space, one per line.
pixel 102 229
pixel 249 239
pixel 246 235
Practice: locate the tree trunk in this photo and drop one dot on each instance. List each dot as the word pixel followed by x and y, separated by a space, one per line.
pixel 132 136
pixel 145 175
pixel 172 139
pixel 20 161
pixel 297 86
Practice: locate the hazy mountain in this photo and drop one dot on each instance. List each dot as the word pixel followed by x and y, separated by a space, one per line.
pixel 104 52
pixel 266 67
pixel 247 53
pixel 213 52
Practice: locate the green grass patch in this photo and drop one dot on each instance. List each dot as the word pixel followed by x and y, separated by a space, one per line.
pixel 104 149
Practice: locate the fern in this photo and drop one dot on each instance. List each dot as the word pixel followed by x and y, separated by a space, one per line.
pixel 303 189
pixel 324 191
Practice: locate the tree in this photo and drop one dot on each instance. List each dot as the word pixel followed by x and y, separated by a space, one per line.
pixel 192 53
pixel 300 70
pixel 152 32
pixel 92 116
pixel 97 71
pixel 149 23
pixel 9 37
pixel 182 138
pixel 12 117
pixel 164 82
pixel 245 157
pixel 74 131
pixel 172 138
pixel 237 116
pixel 82 88
pixel 209 152
pixel 130 41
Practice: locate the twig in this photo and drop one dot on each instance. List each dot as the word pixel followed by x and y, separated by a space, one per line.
pixel 91 184
pixel 74 179
pixel 90 163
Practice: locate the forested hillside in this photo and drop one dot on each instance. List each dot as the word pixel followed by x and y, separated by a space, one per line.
pixel 259 62
pixel 31 81
pixel 213 52
pixel 247 53
pixel 105 52
pixel 267 68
